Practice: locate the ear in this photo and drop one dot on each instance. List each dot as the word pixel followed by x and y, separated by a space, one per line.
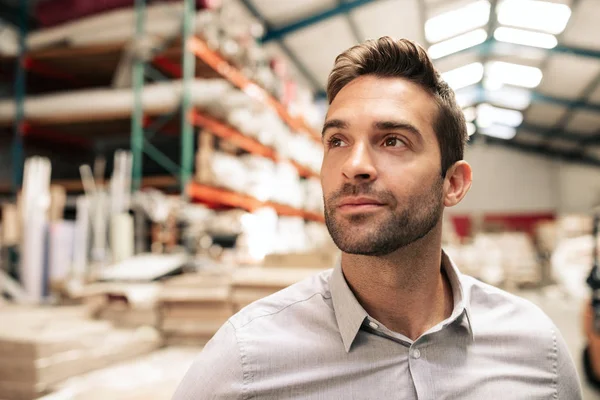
pixel 457 183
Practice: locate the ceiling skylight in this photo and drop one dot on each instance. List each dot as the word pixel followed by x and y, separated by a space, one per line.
pixel 488 115
pixel 499 131
pixel 468 96
pixel 457 43
pixel 455 22
pixel 513 74
pixel 528 38
pixel 509 96
pixel 538 15
pixel 464 76
pixel 471 129
pixel 470 114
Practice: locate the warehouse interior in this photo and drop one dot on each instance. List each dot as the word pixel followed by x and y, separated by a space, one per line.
pixel 160 163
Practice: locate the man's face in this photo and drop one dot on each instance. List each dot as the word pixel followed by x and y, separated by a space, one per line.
pixel 381 172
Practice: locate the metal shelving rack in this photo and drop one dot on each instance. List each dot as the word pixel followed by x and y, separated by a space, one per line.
pixel 18 161
pixel 139 141
pixel 163 64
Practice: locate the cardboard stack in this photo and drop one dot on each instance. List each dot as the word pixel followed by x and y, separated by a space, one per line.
pixel 314 260
pixel 40 347
pixel 521 261
pixel 194 306
pixel 125 305
pixel 254 283
pixel 153 376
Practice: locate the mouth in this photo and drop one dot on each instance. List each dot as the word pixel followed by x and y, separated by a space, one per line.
pixel 359 204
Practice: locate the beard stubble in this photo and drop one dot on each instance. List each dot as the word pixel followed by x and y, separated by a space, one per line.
pixel 401 225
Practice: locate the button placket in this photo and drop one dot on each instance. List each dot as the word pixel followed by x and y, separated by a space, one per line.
pixel 416 354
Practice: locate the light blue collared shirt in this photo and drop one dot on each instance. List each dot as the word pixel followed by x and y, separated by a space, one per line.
pixel 314 340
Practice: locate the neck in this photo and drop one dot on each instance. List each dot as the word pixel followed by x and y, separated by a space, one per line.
pixel 406 290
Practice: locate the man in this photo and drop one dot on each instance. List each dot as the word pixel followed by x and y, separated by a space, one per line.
pixel 396 320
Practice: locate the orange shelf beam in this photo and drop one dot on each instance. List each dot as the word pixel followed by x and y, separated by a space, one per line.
pixel 230 134
pixel 233 75
pixel 213 195
pixel 251 145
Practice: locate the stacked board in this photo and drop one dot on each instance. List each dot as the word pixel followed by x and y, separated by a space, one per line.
pixel 41 347
pixel 254 283
pixel 193 307
pixel 153 376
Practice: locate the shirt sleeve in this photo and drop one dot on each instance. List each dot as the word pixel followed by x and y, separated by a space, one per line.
pixel 217 372
pixel 568 384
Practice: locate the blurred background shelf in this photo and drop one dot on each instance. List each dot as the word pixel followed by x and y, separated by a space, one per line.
pixel 221 197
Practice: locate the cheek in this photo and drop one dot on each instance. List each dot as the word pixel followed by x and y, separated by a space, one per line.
pixel 330 174
pixel 327 182
pixel 407 182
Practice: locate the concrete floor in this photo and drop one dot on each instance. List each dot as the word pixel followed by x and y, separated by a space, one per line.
pixel 566 314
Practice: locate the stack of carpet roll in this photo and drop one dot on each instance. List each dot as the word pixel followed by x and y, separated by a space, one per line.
pixel 194 306
pixel 40 347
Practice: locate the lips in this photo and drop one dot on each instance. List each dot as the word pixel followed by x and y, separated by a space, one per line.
pixel 359 204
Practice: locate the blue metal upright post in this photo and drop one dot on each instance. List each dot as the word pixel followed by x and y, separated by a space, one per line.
pixel 19 88
pixel 189 68
pixel 137 128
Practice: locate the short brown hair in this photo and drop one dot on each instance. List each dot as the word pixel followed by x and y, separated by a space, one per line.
pixel 386 57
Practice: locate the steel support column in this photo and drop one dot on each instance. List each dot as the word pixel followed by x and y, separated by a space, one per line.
pixel 189 70
pixel 137 118
pixel 19 89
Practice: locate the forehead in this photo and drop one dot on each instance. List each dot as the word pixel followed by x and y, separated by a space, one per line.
pixel 369 98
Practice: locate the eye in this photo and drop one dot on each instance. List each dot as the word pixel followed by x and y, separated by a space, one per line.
pixel 393 141
pixel 335 142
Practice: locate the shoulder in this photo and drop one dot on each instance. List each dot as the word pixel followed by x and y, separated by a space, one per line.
pixel 254 337
pixel 503 316
pixel 525 333
pixel 294 301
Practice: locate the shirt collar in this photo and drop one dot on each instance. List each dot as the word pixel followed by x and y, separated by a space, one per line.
pixel 350 315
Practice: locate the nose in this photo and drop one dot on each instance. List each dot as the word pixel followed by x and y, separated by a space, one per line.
pixel 359 165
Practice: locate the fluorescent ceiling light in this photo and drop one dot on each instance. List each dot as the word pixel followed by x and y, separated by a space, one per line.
pixel 513 74
pixel 499 131
pixel 510 97
pixel 460 20
pixel 533 14
pixel 527 38
pixel 488 115
pixel 458 43
pixel 492 84
pixel 464 76
pixel 468 96
pixel 471 129
pixel 470 114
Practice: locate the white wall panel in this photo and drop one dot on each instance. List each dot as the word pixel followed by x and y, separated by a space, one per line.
pixel 544 114
pixel 584 122
pixel 395 18
pixel 579 187
pixel 282 12
pixel 567 75
pixel 583 22
pixel 507 180
pixel 319 45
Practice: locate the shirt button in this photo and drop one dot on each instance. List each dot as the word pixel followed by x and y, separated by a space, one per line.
pixel 373 325
pixel 416 353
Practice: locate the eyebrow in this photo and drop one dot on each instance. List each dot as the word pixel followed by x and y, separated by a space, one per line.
pixel 398 125
pixel 378 125
pixel 334 123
